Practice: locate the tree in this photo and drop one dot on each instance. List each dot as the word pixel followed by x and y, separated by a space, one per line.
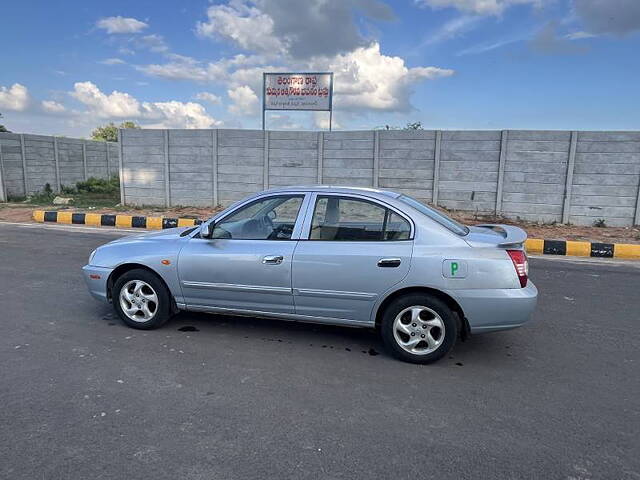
pixel 409 126
pixel 109 132
pixel 3 129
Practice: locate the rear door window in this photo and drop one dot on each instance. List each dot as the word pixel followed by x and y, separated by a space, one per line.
pixel 350 219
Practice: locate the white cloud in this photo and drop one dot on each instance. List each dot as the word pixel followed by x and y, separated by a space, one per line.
pixel 153 42
pixel 112 61
pixel 298 29
pixel 121 25
pixel 367 79
pixel 480 7
pixel 115 105
pixel 15 97
pixel 177 115
pixel 208 97
pixel 245 25
pixel 119 105
pixel 52 106
pixel 245 101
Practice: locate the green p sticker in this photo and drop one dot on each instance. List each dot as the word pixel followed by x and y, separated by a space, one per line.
pixel 454 268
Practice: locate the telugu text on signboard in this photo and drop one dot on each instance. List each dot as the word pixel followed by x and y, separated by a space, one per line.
pixel 298 91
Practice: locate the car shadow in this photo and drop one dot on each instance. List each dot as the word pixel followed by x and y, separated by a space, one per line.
pixel 479 350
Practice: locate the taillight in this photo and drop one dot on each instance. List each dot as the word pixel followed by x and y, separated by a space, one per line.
pixel 519 259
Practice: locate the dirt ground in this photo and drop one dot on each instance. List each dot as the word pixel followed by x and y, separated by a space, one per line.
pixel 17 212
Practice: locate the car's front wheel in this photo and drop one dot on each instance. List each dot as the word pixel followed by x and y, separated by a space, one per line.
pixel 141 299
pixel 418 328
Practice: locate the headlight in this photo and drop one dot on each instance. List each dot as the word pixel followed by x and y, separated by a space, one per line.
pixel 91 256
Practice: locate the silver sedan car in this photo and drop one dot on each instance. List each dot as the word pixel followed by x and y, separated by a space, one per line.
pixel 343 256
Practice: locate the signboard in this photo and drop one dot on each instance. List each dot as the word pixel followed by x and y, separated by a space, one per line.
pixel 298 91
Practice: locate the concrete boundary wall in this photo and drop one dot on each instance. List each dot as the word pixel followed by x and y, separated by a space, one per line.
pixel 548 176
pixel 29 162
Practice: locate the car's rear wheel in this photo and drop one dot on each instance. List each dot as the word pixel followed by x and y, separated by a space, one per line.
pixel 418 328
pixel 141 299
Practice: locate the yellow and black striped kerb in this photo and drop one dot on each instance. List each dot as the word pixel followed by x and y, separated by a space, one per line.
pixel 533 245
pixel 583 249
pixel 109 220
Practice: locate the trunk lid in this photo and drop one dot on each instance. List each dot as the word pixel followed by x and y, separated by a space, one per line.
pixel 496 235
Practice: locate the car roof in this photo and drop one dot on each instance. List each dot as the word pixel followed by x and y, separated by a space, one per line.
pixel 333 189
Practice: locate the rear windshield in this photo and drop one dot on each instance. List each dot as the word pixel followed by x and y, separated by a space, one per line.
pixel 447 222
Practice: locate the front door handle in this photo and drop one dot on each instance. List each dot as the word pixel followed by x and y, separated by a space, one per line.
pixel 273 259
pixel 389 262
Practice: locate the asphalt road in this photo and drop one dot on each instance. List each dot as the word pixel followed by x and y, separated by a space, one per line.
pixel 84 397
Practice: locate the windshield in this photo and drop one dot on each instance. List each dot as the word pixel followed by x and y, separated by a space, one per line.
pixel 447 222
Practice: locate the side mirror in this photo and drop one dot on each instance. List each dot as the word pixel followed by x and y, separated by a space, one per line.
pixel 207 230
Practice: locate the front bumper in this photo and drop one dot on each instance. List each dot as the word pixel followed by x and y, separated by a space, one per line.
pixel 96 279
pixel 491 310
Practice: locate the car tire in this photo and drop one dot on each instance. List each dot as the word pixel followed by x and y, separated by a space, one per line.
pixel 418 328
pixel 141 299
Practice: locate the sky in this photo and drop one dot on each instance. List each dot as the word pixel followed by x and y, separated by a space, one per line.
pixel 67 67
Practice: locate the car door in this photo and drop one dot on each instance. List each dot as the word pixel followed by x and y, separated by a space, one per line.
pixel 353 249
pixel 246 265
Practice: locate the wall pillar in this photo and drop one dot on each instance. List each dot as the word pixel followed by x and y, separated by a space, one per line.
pixel 566 206
pixel 120 167
pixel 376 158
pixel 436 167
pixel 214 167
pixel 320 156
pixel 24 165
pixel 84 159
pixel 56 159
pixel 504 139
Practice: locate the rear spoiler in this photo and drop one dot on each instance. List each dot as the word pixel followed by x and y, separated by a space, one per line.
pixel 513 236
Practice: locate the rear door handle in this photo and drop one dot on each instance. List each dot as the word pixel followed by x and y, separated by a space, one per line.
pixel 389 262
pixel 272 259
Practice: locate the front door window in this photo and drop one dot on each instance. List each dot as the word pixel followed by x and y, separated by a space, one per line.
pixel 271 218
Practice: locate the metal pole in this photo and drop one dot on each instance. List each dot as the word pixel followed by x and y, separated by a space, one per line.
pixel 264 95
pixel 331 101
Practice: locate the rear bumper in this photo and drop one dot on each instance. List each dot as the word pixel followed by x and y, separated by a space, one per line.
pixel 491 310
pixel 96 280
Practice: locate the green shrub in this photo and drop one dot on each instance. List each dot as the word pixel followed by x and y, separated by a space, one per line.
pixel 96 185
pixel 45 196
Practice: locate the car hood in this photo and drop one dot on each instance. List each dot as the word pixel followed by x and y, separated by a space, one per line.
pixel 167 234
pixel 496 235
